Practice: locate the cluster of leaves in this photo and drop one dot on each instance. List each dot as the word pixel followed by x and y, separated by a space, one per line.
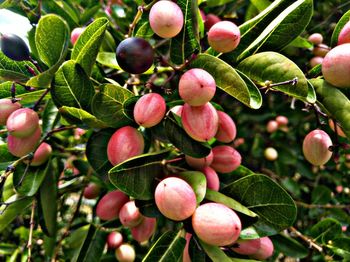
pixel 89 90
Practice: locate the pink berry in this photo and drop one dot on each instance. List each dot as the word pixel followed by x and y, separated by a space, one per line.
pixel 282 120
pixel 75 34
pixel 6 108
pixel 210 20
pixel 185 255
pixel 344 35
pixel 41 155
pixel 272 126
pixel 321 50
pixel 316 60
pixel 216 224
pixel 212 177
pixel 125 253
pixel 175 198
pixel 177 110
pixel 22 122
pixel 247 247
pixel 224 36
pixel 125 143
pixel 200 122
pixel 129 215
pixel 92 191
pixel 166 19
pixel 227 129
pixel 22 146
pixel 144 231
pixel 149 110
pixel 266 249
pixel 114 240
pixel 316 38
pixel 110 204
pixel 197 87
pixel 226 159
pixel 199 163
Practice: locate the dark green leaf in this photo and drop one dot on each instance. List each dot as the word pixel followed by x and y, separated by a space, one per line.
pixel 96 151
pixel 212 3
pixel 72 87
pixel 86 48
pixel 274 67
pixel 179 138
pixel 326 230
pixel 148 208
pixel 107 105
pixel 343 20
pixel 52 39
pixel 79 116
pixel 168 248
pixel 137 176
pixel 214 252
pixel 186 42
pixel 48 202
pixel 228 201
pixel 16 206
pixel 341 247
pixel 275 208
pixel 335 102
pixel 49 117
pixel 197 181
pixel 228 80
pixel 289 246
pixel 321 195
pixel 7 248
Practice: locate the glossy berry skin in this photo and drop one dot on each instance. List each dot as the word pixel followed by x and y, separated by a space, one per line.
pixel 166 19
pixel 224 36
pixel 282 120
pixel 92 191
pixel 125 253
pixel 22 122
pixel 272 126
pixel 265 251
pixel 41 155
pixel 197 87
pixel 321 50
pixel 212 177
pixel 336 66
pixel 200 122
pixel 216 224
pixel 316 38
pixel 316 147
pixel 210 20
pixel 110 204
pixel 144 231
pixel 175 198
pixel 129 215
pixel 226 159
pixel 75 34
pixel 270 154
pixel 247 246
pixel 114 240
pixel 6 108
pixel 344 35
pixel 14 47
pixel 316 60
pixel 149 110
pixel 21 146
pixel 135 55
pixel 199 163
pixel 125 143
pixel 227 128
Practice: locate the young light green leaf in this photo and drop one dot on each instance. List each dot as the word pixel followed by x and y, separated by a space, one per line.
pixel 86 48
pixel 108 59
pixel 169 247
pixel 187 41
pixel 145 30
pixel 228 80
pixel 326 230
pixel 214 252
pixel 335 102
pixel 72 87
pixel 300 42
pixel 260 4
pixel 341 247
pixel 229 202
pixel 343 20
pixel 107 105
pixel 197 181
pixel 274 67
pixel 5 89
pixel 52 39
pixel 212 3
pixel 275 208
pixel 79 116
pixel 137 176
pixel 31 97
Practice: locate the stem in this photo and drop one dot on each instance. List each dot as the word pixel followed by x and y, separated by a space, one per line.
pixel 30 240
pixel 36 64
pixel 36 105
pixel 308 240
pixel 136 20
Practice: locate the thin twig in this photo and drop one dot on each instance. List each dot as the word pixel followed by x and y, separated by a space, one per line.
pixel 308 240
pixel 31 229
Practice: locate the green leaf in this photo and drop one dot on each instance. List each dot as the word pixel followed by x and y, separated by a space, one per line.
pixel 180 139
pixel 214 252
pixel 168 248
pixel 92 248
pixel 211 3
pixel 7 248
pixel 137 176
pixel 321 195
pixel 186 42
pixel 273 29
pixel 49 117
pixel 274 67
pixel 335 102
pixel 52 39
pixel 79 116
pixel 341 247
pixel 197 181
pixel 31 97
pixel 5 89
pixel 63 9
pixel 108 59
pixel 275 208
pixel 47 202
pixel 148 208
pixel 72 87
pixel 27 180
pixel 342 21
pixel 145 31
pixel 228 80
pixel 289 246
pixel 218 197
pixel 301 42
pixel 5 155
pixel 12 208
pixel 86 48
pixel 260 4
pixel 14 70
pixel 107 105
pixel 96 151
pixel 325 230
